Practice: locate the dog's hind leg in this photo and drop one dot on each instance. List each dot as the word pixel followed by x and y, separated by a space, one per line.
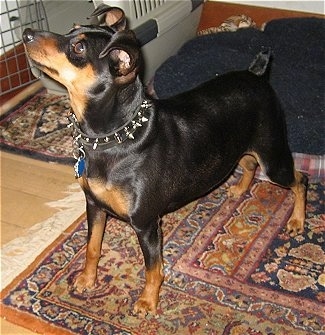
pixel 249 165
pixel 279 167
pixel 295 224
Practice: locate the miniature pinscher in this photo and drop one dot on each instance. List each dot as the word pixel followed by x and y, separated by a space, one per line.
pixel 140 158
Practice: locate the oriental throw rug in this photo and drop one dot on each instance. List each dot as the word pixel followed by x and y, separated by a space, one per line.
pixel 38 128
pixel 230 269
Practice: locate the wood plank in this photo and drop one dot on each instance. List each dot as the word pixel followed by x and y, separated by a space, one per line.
pixel 9 231
pixel 26 186
pixel 8 328
pixel 25 210
pixel 30 176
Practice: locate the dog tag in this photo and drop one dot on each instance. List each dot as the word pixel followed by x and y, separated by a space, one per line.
pixel 79 167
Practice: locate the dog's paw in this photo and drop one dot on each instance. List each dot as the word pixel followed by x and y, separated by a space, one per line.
pixel 144 307
pixel 84 282
pixel 295 227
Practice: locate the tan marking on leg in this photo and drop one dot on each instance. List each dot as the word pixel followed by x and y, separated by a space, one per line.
pixel 249 164
pixel 295 224
pixel 148 300
pixel 87 278
pixel 83 182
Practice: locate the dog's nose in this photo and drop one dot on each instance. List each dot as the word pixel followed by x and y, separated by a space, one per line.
pixel 28 35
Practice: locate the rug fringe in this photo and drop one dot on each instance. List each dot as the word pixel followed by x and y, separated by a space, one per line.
pixel 19 253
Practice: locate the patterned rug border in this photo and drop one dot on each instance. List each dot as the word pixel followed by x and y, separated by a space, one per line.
pixel 22 103
pixel 18 317
pixel 36 155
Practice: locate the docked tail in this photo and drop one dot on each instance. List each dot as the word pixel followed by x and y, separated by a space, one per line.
pixel 260 64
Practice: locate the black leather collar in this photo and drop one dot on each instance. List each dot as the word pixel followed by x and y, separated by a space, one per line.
pixel 116 137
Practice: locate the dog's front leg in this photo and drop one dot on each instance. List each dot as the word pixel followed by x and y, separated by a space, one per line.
pixel 151 244
pixel 96 225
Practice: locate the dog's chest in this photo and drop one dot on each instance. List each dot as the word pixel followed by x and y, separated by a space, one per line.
pixel 110 196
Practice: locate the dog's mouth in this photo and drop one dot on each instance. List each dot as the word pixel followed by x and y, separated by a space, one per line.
pixel 47 69
pixel 39 60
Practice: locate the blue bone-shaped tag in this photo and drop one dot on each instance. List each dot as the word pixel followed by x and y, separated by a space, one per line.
pixel 79 167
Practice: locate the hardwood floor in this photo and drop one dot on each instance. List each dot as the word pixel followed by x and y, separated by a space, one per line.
pixel 27 185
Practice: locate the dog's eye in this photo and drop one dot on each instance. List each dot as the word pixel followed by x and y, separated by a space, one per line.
pixel 78 48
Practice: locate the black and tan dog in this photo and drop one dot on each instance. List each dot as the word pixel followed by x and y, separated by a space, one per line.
pixel 139 159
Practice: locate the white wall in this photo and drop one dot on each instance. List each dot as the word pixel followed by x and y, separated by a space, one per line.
pixel 303 6
pixel 61 15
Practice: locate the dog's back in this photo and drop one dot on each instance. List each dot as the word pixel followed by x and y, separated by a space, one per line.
pixel 211 127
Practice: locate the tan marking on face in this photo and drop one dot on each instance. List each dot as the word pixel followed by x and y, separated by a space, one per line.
pixel 112 196
pixel 55 64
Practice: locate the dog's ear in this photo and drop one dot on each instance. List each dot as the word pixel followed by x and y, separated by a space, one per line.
pixel 114 17
pixel 123 53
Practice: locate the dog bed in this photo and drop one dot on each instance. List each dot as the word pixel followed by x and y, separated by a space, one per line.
pixel 297 72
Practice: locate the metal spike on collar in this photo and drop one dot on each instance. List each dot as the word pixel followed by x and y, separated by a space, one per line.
pixel 95 144
pixel 145 104
pixel 128 133
pixel 118 138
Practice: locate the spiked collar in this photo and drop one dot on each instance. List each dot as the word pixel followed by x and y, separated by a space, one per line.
pixel 118 136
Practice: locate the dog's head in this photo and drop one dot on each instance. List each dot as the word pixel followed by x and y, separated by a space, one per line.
pixel 89 58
